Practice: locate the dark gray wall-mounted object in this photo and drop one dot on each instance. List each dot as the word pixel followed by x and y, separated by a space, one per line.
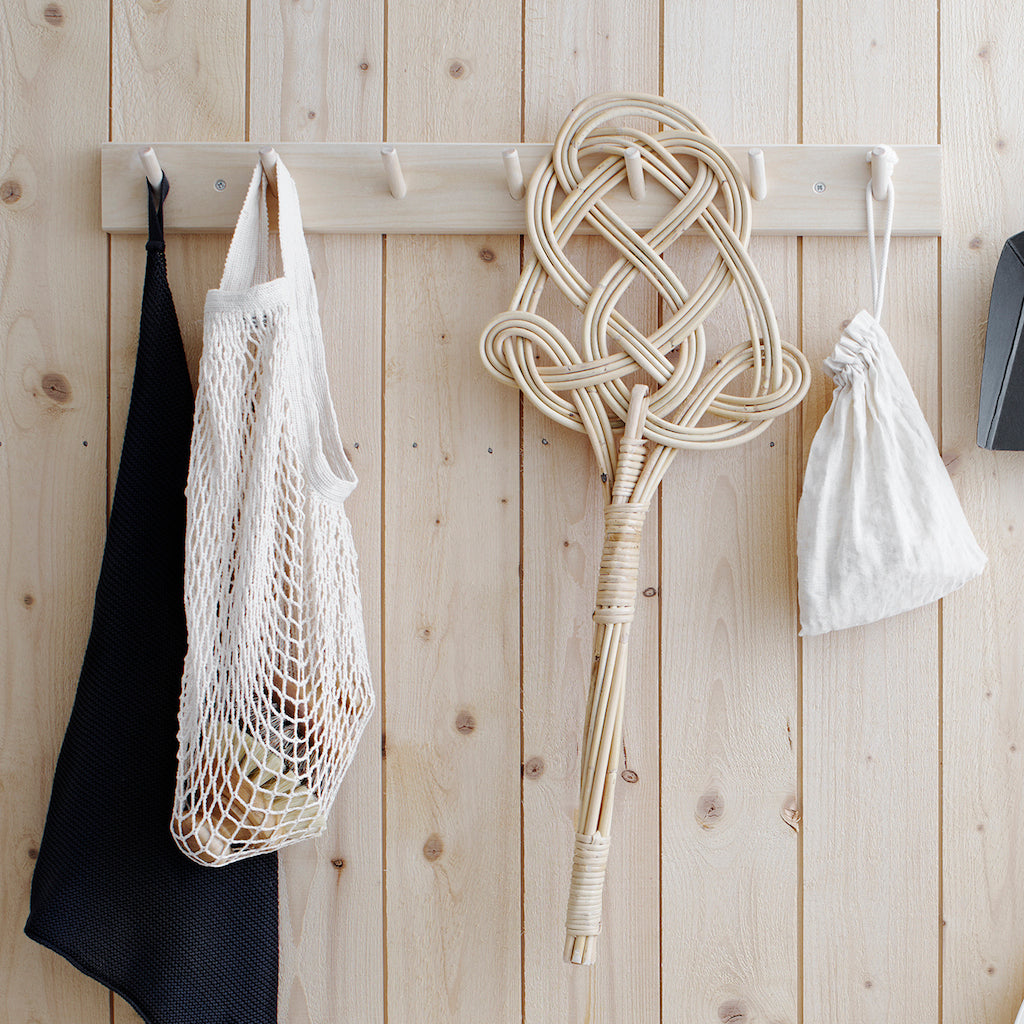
pixel 1001 407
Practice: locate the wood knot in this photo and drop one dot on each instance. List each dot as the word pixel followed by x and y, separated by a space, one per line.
pixel 33 852
pixel 10 191
pixel 311 115
pixel 790 814
pixel 487 255
pixel 465 722
pixel 628 775
pixel 650 592
pixel 423 634
pixel 57 387
pixel 710 808
pixel 28 600
pixel 433 847
pixel 338 862
pixel 984 51
pixel 53 15
pixel 868 983
pixel 457 69
pixel 534 768
pixel 364 65
pixel 732 1012
pixel 990 969
pixel 975 242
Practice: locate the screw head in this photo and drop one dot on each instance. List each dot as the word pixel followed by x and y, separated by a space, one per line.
pixel 220 184
pixel 819 187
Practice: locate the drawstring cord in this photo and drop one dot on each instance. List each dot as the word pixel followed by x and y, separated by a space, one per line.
pixel 878 272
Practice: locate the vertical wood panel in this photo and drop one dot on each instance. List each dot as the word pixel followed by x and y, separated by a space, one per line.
pixel 729 648
pixel 451 550
pixel 53 426
pixel 568 55
pixel 177 72
pixel 870 694
pixel 317 75
pixel 983 653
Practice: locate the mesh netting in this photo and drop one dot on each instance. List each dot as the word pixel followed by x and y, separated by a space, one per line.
pixel 276 689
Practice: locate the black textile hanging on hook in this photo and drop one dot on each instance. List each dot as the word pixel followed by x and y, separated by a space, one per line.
pixel 111 892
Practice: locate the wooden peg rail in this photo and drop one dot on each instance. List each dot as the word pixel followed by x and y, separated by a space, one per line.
pixel 462 188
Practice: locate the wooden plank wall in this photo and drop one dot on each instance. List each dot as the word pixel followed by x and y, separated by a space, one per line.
pixel 821 830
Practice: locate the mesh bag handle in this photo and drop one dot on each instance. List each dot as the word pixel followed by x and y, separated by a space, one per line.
pixel 247 265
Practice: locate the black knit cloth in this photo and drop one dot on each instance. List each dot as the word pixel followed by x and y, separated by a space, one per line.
pixel 184 944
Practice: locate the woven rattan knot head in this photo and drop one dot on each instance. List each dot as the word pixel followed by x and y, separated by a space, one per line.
pixel 589 383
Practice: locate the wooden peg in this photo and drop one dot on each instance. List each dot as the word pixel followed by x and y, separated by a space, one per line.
pixel 635 173
pixel 393 169
pixel 882 159
pixel 269 158
pixel 151 166
pixel 513 172
pixel 758 174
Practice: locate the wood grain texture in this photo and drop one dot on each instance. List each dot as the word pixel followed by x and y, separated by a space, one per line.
pixel 176 71
pixel 451 554
pixel 329 86
pixel 562 537
pixel 870 695
pixel 982 649
pixel 730 808
pixel 53 426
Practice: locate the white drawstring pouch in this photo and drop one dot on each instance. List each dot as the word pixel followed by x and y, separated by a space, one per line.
pixel 879 529
pixel 276 688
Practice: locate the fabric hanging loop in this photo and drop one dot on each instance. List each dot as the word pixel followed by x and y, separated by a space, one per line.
pixel 879 268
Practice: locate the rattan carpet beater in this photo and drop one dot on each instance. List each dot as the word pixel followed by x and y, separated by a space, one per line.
pixel 635 434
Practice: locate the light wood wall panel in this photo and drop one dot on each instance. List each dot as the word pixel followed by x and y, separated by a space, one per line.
pixel 982 648
pixel 566 58
pixel 870 694
pixel 820 830
pixel 451 553
pixel 329 86
pixel 730 810
pixel 53 433
pixel 175 72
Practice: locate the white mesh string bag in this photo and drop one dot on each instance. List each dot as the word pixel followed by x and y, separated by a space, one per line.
pixel 879 529
pixel 276 688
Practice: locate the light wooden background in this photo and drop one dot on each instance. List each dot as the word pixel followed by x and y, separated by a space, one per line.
pixel 822 831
